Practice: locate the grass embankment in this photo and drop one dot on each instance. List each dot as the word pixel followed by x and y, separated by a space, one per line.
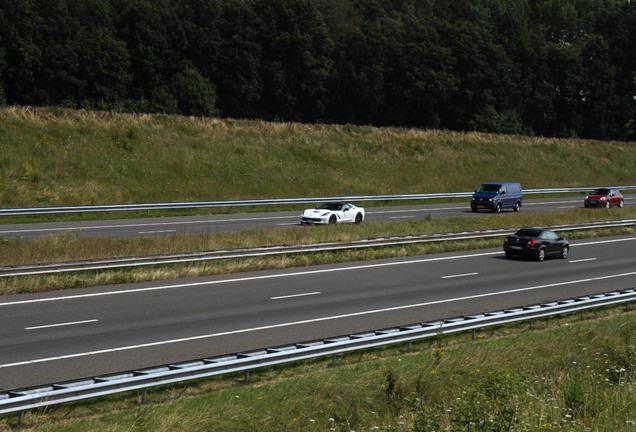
pixel 53 157
pixel 70 248
pixel 564 375
pixel 574 377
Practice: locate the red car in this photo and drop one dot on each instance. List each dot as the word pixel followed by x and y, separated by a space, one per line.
pixel 604 197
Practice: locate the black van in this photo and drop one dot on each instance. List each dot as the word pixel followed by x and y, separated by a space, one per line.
pixel 497 196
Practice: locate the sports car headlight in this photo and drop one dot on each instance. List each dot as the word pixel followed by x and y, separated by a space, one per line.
pixel 602 198
pixel 324 214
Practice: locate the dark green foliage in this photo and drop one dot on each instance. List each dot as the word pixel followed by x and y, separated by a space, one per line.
pixel 548 68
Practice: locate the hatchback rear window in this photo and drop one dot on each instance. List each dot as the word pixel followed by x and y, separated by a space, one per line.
pixel 528 233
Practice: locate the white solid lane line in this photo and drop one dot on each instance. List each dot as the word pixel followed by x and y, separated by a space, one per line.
pixel 552 202
pixel 295 295
pixel 249 278
pixel 459 275
pixel 281 275
pixel 413 210
pixel 60 324
pixel 308 321
pixel 133 225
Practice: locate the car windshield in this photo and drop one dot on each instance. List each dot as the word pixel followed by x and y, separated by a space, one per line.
pixel 528 232
pixel 601 192
pixel 489 188
pixel 330 206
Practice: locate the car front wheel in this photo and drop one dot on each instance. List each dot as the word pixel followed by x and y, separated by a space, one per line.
pixel 517 207
pixel 621 204
pixel 332 219
pixel 358 218
pixel 541 254
pixel 498 208
pixel 607 204
pixel 565 252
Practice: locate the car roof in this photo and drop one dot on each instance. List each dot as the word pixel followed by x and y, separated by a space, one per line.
pixel 501 183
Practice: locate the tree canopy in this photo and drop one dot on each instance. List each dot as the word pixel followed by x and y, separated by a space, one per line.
pixel 563 68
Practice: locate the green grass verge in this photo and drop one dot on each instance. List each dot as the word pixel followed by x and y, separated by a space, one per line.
pixel 566 374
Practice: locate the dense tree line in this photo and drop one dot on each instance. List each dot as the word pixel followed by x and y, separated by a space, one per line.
pixel 564 68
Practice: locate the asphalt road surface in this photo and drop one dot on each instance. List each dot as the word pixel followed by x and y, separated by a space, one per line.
pixel 238 222
pixel 71 334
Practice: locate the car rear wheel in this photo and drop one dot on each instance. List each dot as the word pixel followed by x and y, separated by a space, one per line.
pixel 509 254
pixel 565 252
pixel 358 218
pixel 541 254
pixel 332 219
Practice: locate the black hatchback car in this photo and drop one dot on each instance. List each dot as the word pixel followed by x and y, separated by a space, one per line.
pixel 537 243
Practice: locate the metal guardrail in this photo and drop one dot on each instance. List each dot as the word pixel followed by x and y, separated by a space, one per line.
pixel 70 391
pixel 267 202
pixel 189 257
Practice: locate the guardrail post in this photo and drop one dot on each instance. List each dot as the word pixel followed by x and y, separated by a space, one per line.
pixel 247 376
pixel 582 314
pixel 531 323
pixel 143 397
pixel 20 417
pixel 333 360
pixel 408 347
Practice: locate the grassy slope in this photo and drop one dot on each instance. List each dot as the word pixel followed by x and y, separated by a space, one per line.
pixel 576 378
pixel 64 157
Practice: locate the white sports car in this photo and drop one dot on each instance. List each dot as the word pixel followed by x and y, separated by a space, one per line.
pixel 331 213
